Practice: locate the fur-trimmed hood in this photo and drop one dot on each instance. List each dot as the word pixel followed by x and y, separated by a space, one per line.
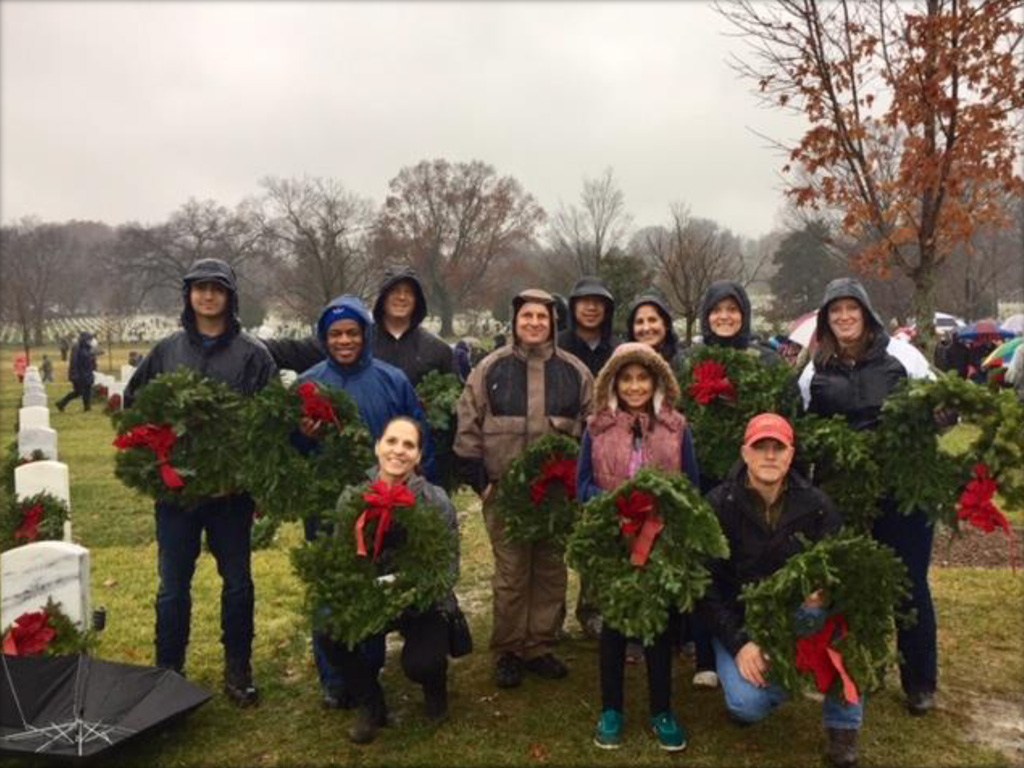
pixel 666 390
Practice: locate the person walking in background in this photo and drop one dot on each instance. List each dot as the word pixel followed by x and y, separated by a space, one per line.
pixel 81 372
pixel 20 366
pixel 65 346
pixel 46 369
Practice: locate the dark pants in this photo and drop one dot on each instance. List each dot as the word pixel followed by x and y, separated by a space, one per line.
pixel 911 537
pixel 81 390
pixel 373 648
pixel 228 524
pixel 424 659
pixel 692 628
pixel 613 668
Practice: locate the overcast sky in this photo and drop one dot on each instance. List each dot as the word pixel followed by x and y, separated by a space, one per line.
pixel 121 111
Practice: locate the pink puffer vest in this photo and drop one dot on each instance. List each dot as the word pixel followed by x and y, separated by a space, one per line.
pixel 611 435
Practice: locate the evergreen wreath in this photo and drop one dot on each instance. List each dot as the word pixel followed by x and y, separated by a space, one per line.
pixel 48 632
pixel 863 581
pixel 439 394
pixel 179 442
pixel 286 483
pixel 264 530
pixel 36 518
pixel 345 594
pixel 635 599
pixel 536 495
pixel 722 389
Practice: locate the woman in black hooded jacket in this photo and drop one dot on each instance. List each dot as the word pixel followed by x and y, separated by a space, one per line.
pixel 725 320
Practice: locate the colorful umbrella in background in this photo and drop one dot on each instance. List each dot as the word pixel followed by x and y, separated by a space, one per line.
pixel 802 330
pixel 1014 323
pixel 987 328
pixel 1003 354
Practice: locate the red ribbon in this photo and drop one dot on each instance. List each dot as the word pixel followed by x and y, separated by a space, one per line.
pixel 816 654
pixel 978 509
pixel 159 439
pixel 30 519
pixel 30 635
pixel 554 470
pixel 315 405
pixel 710 381
pixel 639 520
pixel 381 500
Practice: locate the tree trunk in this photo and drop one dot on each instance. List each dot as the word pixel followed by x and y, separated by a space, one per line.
pixel 447 314
pixel 924 302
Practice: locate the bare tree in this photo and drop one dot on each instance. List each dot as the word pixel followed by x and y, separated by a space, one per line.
pixel 32 255
pixel 583 235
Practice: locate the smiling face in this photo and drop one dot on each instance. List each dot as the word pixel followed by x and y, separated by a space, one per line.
pixel 846 320
pixel 634 387
pixel 400 302
pixel 533 324
pixel 208 299
pixel 398 450
pixel 648 325
pixel 726 318
pixel 589 312
pixel 345 341
pixel 767 460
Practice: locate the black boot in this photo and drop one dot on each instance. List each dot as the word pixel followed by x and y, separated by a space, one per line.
pixel 842 747
pixel 372 715
pixel 435 700
pixel 238 684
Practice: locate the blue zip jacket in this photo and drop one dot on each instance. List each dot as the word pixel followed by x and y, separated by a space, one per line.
pixel 380 391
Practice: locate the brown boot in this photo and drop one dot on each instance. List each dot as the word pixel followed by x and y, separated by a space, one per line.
pixel 842 747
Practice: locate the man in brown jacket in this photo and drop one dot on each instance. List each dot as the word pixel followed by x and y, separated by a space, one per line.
pixel 518 393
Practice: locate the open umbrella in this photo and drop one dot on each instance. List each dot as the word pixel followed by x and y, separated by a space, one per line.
pixel 987 328
pixel 76 706
pixel 802 329
pixel 1000 356
pixel 1014 323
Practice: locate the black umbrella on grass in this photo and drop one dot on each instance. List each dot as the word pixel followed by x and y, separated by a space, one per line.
pixel 76 706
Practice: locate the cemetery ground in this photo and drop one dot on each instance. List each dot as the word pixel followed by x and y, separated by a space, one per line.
pixel 978 722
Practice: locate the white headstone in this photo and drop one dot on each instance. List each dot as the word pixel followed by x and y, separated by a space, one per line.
pixel 34 439
pixel 126 372
pixel 39 476
pixel 32 369
pixel 32 573
pixel 33 384
pixel 30 399
pixel 34 416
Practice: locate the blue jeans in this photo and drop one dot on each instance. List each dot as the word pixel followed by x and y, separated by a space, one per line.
pixel 227 521
pixel 748 703
pixel 373 648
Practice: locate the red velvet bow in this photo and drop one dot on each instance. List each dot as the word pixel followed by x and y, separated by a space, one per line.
pixel 315 405
pixel 639 518
pixel 381 499
pixel 977 507
pixel 159 439
pixel 30 635
pixel 710 381
pixel 30 519
pixel 554 470
pixel 816 654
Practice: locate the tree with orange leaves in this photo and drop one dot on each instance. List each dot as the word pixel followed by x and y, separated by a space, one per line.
pixel 914 111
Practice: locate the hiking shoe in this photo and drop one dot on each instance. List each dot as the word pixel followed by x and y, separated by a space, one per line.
pixel 238 684
pixel 608 734
pixel 920 703
pixel 670 734
pixel 842 747
pixel 509 672
pixel 367 723
pixel 547 666
pixel 706 678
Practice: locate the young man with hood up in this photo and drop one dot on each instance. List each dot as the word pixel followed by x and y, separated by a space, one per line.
pixel 381 392
pixel 516 394
pixel 212 343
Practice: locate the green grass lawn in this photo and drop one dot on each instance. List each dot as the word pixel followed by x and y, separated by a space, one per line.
pixel 543 723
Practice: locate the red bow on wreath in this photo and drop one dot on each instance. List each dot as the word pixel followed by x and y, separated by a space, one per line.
pixel 816 654
pixel 978 509
pixel 315 405
pixel 710 381
pixel 30 635
pixel 159 439
pixel 381 499
pixel 556 469
pixel 638 517
pixel 30 519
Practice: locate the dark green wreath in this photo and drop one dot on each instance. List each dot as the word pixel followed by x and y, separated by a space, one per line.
pixel 553 518
pixel 206 416
pixel 920 474
pixel 718 426
pixel 67 639
pixel 438 394
pixel 264 529
pixel 862 580
pixel 13 511
pixel 636 600
pixel 286 483
pixel 344 597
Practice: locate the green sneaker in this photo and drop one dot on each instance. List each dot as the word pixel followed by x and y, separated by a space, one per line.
pixel 609 730
pixel 671 736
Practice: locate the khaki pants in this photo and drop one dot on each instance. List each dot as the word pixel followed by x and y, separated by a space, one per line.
pixel 529 592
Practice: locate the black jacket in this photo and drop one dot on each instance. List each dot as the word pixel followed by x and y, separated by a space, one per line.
pixel 83 361
pixel 594 358
pixel 723 289
pixel 235 358
pixel 755 550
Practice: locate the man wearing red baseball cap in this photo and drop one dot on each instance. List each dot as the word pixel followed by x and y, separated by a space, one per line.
pixel 762 506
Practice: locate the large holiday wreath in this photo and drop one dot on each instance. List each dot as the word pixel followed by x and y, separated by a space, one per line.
pixel 536 496
pixel 48 632
pixel 180 440
pixel 380 552
pixel 36 518
pixel 644 549
pixel 292 477
pixel 439 394
pixel 863 582
pixel 722 389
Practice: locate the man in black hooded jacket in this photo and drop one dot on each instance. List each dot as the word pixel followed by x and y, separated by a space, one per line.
pixel 212 343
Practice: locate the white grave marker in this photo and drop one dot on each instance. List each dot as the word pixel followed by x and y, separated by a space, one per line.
pixel 32 573
pixel 48 476
pixel 34 416
pixel 126 372
pixel 30 399
pixel 34 439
